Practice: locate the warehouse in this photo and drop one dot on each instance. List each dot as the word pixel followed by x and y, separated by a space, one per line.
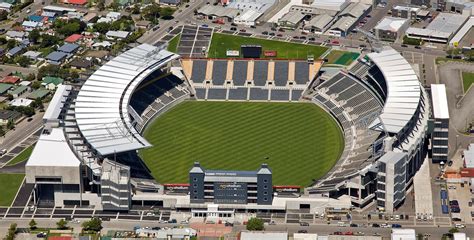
pixel 391 28
pixel 291 20
pixel 440 30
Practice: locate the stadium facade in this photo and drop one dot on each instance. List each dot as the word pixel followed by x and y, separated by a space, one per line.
pixel 381 108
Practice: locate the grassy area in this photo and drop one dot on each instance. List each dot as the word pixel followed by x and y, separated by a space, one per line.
pixel 23 156
pixel 173 43
pixel 467 80
pixel 220 43
pixel 10 183
pixel 299 141
pixel 443 59
pixel 341 57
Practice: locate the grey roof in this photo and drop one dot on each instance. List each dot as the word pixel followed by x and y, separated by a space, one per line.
pixel 292 17
pixel 260 5
pixel 103 101
pixel 16 34
pixel 392 24
pixel 355 9
pixel 308 9
pixel 319 22
pixel 8 114
pixel 32 54
pixel 444 25
pixel 56 56
pixel 219 11
pixel 68 48
pixel 117 34
pixel 14 51
pixel 57 102
pixel 390 156
pixel 344 23
pixel 262 235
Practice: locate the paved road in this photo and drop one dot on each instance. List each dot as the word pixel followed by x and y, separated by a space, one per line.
pixel 11 68
pixel 21 132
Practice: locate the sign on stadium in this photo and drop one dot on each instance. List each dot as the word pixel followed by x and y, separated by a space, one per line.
pixel 270 53
pixel 232 53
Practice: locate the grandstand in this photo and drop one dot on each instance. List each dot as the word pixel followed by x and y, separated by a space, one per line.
pixel 249 80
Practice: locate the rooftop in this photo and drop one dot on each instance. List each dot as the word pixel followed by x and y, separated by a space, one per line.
pixel 444 25
pixel 392 24
pixel 245 235
pixel 219 11
pixel 55 106
pixel 56 56
pixel 68 48
pixel 440 101
pixel 53 80
pixel 10 79
pixel 38 93
pixel 292 17
pixel 73 38
pixel 8 114
pixel 19 89
pixel 117 34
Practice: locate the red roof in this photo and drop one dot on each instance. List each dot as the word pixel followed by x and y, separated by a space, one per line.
pixel 73 38
pixel 467 172
pixel 60 238
pixel 76 2
pixel 10 79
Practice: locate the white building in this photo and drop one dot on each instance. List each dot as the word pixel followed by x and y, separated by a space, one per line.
pixel 248 18
pixel 439 139
pixel 263 235
pixel 403 234
pixel 440 30
pixel 391 28
pixel 336 5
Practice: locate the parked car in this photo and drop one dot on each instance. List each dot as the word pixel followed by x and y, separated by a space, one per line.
pixel 396 225
pixel 233 29
pixel 354 225
pixel 265 32
pixel 375 225
pixel 304 224
pixel 272 34
pixel 312 39
pixel 302 231
pixel 404 45
pixel 243 30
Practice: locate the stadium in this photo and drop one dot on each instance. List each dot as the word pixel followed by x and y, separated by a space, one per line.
pixel 359 120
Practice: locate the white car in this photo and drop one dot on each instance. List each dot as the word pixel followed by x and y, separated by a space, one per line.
pixel 458 225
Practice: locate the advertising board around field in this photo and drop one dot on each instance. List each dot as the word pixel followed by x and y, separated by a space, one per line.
pixel 232 53
pixel 176 188
pixel 270 53
pixel 251 51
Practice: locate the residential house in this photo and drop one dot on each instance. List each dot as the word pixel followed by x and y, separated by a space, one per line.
pixel 69 48
pixel 101 45
pixel 10 79
pixel 5 6
pixel 4 87
pixel 38 18
pixel 80 64
pixel 16 35
pixel 117 34
pixel 142 24
pixel 49 15
pixel 51 83
pixel 21 102
pixel 73 38
pixel 30 25
pixel 15 51
pixel 114 15
pixel 170 2
pixel 75 2
pixel 8 115
pixel 33 55
pixel 38 93
pixel 56 58
pixel 18 91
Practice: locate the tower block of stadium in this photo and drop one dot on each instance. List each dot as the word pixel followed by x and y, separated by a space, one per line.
pixel 440 132
pixel 230 187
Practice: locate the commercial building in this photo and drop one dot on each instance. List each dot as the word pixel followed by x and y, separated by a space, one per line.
pixel 408 12
pixel 230 187
pixel 319 24
pixel 291 20
pixel 335 5
pixel 403 234
pixel 211 12
pixel 440 30
pixel 391 181
pixel 248 18
pixel 440 135
pixel 245 235
pixel 391 28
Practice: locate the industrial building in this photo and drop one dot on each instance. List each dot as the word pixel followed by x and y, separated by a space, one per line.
pixel 440 135
pixel 391 28
pixel 440 30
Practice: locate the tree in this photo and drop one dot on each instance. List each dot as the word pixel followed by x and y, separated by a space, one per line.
pixel 39 103
pixel 152 12
pixel 11 44
pixel 101 5
pixel 36 84
pixel 10 124
pixel 32 224
pixel 3 15
pixel 30 77
pixel 62 224
pixel 2 131
pixel 34 36
pixel 166 13
pixel 453 230
pixel 23 61
pixel 3 40
pixel 255 224
pixel 48 40
pixel 102 27
pixel 95 224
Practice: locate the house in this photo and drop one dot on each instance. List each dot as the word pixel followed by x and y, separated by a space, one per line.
pixel 15 51
pixel 38 18
pixel 5 6
pixel 73 38
pixel 56 58
pixel 75 2
pixel 30 25
pixel 18 91
pixel 81 64
pixel 75 15
pixel 16 35
pixel 38 93
pixel 21 102
pixel 170 2
pixel 4 87
pixel 49 15
pixel 142 24
pixel 51 83
pixel 104 20
pixel 69 48
pixel 291 20
pixel 117 34
pixel 101 45
pixel 33 55
pixel 10 79
pixel 90 18
pixel 114 15
pixel 8 115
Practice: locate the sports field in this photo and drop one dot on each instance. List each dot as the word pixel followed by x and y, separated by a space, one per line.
pixel 299 141
pixel 341 57
pixel 220 43
pixel 467 80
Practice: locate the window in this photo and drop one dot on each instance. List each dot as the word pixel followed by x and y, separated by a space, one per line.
pixel 265 199
pixel 265 180
pixel 265 187
pixel 195 179
pixel 265 193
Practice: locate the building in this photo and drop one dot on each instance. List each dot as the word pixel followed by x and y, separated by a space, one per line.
pixel 319 24
pixel 38 93
pixel 7 116
pixel 73 38
pixel 30 25
pixel 4 6
pixel 305 236
pixel 391 181
pixel 11 79
pixel 391 28
pixel 408 12
pixel 16 51
pixel 248 18
pixel 75 2
pixel 170 2
pixel 334 5
pixel 117 34
pixel 343 26
pixel 69 48
pixel 114 15
pixel 80 64
pixel 403 234
pixel 16 35
pixel 440 30
pixel 211 12
pixel 246 235
pixel 4 88
pixel 115 186
pixel 33 55
pixel 440 135
pixel 238 187
pixel 167 233
pixel 20 102
pixel 56 57
pixel 51 83
pixel 460 236
pixel 18 91
pixel 291 20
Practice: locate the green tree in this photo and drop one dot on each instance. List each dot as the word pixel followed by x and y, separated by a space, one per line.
pixel 10 124
pixel 34 36
pixel 152 13
pixel 166 13
pixel 95 224
pixel 9 97
pixel 101 5
pixel 3 40
pixel 23 61
pixel 3 15
pixel 2 131
pixel 453 230
pixel 11 44
pixel 36 84
pixel 102 27
pixel 32 224
pixel 255 224
pixel 39 103
pixel 48 40
pixel 62 224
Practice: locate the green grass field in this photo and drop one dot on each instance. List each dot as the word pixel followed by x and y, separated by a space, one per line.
pixel 10 183
pixel 173 43
pixel 301 141
pixel 23 156
pixel 467 80
pixel 220 43
pixel 341 57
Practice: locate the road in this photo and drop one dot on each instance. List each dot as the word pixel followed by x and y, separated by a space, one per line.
pixel 21 132
pixel 183 14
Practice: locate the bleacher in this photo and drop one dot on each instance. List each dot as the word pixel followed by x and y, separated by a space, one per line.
pixel 154 94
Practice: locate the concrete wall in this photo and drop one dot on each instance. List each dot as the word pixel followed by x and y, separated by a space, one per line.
pixel 69 175
pixel 93 198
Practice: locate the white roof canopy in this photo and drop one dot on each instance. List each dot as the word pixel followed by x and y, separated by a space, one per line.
pixel 102 104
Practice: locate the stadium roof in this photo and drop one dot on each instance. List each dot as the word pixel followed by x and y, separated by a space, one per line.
pixel 440 101
pixel 392 24
pixel 102 104
pixel 55 142
pixel 403 89
pixel 57 102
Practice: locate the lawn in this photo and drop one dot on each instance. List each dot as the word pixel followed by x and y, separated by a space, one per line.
pixel 341 57
pixel 173 43
pixel 299 141
pixel 23 156
pixel 220 43
pixel 10 183
pixel 467 80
